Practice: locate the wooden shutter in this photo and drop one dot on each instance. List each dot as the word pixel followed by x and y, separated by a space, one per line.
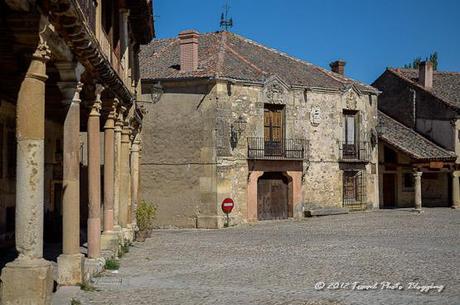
pixel 267 124
pixel 277 125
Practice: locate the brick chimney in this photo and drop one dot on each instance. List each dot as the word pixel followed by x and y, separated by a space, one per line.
pixel 338 66
pixel 425 74
pixel 188 50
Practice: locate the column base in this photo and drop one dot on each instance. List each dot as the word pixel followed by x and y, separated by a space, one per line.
pixel 27 282
pixel 70 269
pixel 419 211
pixel 109 242
pixel 128 234
pixel 455 207
pixel 93 266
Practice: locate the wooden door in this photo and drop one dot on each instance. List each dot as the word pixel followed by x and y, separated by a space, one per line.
pixel 273 130
pixel 272 197
pixel 389 190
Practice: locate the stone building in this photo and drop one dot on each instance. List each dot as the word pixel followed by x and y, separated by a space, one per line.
pixel 69 71
pixel 419 117
pixel 228 117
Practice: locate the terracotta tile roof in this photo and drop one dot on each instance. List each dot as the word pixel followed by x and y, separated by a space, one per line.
pixel 410 142
pixel 446 85
pixel 228 55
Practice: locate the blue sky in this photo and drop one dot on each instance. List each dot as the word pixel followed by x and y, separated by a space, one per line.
pixel 369 35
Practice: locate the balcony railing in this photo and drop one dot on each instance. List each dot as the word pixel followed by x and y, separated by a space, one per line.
pixel 358 151
pixel 294 149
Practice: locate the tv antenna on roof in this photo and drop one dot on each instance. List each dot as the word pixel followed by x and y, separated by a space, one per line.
pixel 225 23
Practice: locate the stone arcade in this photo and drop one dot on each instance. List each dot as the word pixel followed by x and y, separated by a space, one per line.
pixel 69 72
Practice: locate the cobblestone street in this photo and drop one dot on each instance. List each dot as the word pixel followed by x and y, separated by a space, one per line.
pixel 280 262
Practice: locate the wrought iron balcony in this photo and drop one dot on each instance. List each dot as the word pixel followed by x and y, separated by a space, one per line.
pixel 354 152
pixel 290 149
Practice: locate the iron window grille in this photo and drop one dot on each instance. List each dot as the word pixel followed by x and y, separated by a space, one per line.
pixel 354 189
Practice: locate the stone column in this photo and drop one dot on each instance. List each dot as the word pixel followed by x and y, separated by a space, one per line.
pixel 135 149
pixel 116 187
pixel 455 190
pixel 109 238
pixel 70 263
pixel 130 201
pixel 124 43
pixel 28 279
pixel 124 176
pixel 124 181
pixel 418 191
pixel 94 178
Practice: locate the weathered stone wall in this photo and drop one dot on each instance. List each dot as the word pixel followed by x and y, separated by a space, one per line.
pixel 322 183
pixel 178 156
pixel 323 180
pixel 195 147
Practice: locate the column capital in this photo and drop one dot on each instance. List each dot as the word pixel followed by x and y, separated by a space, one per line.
pixel 76 97
pixel 42 52
pixel 456 173
pixel 110 121
pixel 97 105
pixel 136 146
pixel 126 134
pixel 113 114
pixel 119 121
pixel 417 174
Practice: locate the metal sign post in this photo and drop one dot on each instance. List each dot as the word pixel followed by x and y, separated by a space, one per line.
pixel 227 207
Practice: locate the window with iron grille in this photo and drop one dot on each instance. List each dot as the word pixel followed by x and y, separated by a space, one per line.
pixel 354 194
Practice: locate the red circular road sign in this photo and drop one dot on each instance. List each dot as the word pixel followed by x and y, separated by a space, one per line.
pixel 227 205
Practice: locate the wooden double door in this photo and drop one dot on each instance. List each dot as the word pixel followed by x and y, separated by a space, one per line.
pixel 272 196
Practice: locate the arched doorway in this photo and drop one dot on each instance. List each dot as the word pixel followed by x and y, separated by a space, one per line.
pixel 272 196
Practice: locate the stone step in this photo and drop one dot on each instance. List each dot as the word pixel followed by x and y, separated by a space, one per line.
pixel 326 212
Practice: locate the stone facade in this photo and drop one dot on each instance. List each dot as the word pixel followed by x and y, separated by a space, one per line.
pixel 197 138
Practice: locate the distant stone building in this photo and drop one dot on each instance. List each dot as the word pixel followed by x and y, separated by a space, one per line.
pixel 228 117
pixel 419 147
pixel 69 72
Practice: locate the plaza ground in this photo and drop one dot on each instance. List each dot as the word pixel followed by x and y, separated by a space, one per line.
pixel 279 262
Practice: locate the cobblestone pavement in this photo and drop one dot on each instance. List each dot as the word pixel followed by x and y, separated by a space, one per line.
pixel 279 262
